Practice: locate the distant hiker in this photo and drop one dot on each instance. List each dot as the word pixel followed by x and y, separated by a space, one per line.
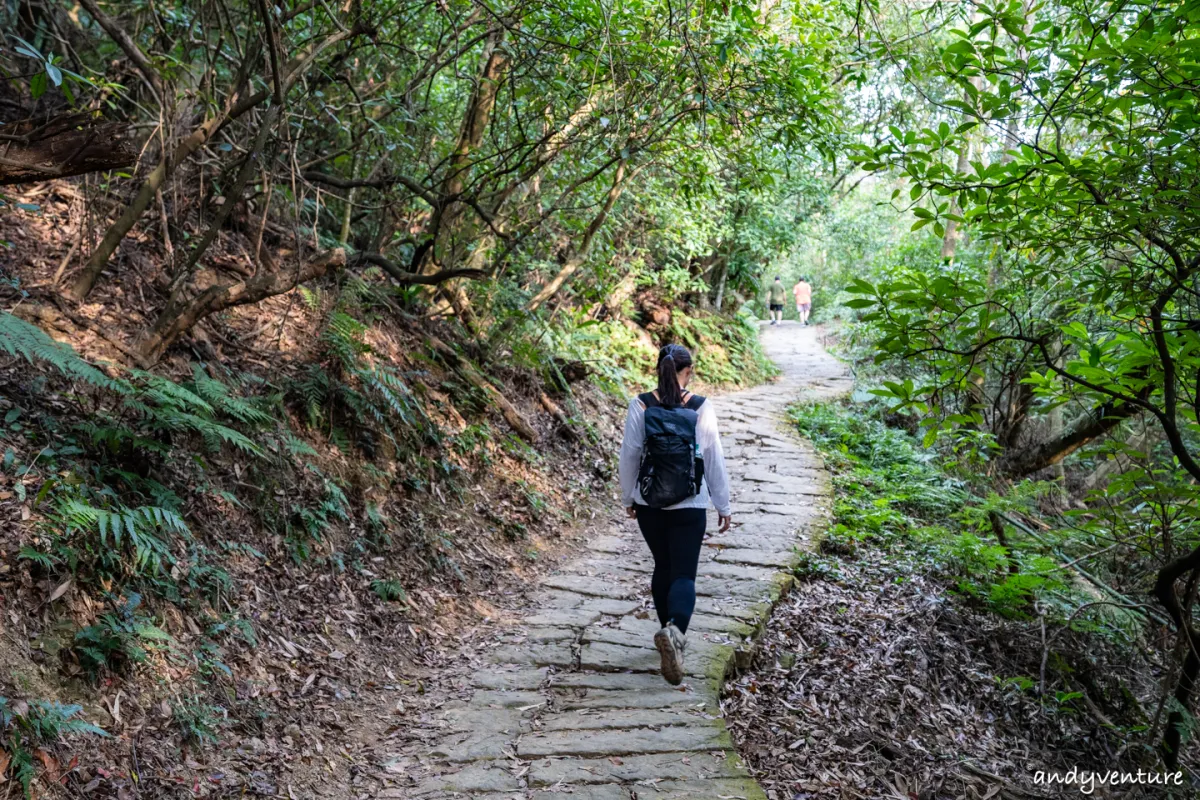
pixel 778 295
pixel 671 465
pixel 803 294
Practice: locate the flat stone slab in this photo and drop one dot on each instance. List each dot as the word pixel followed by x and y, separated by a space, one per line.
pixel 604 657
pixel 610 544
pixel 663 697
pixel 766 558
pixel 581 681
pixel 732 789
pixel 631 769
pixel 613 608
pixel 544 635
pixel 474 747
pixel 539 655
pixel 477 777
pixel 572 618
pixel 589 585
pixel 501 699
pixel 634 741
pixel 610 791
pixel 603 716
pixel 509 678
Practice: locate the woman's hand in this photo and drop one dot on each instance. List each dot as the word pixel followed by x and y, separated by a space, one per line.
pixel 723 522
pixel 631 512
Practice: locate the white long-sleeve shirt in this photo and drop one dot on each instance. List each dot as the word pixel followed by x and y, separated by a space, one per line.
pixel 714 487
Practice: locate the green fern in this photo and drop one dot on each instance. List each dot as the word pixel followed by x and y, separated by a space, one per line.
pixel 169 394
pixel 20 338
pixel 160 404
pixel 389 590
pixel 225 402
pixel 297 447
pixel 118 638
pixel 138 528
pixel 34 724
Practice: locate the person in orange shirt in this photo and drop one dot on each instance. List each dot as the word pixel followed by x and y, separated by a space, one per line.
pixel 802 291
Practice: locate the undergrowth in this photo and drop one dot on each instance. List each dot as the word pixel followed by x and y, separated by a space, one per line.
pixel 129 479
pixel 725 347
pixel 893 493
pixel 28 728
pixel 901 516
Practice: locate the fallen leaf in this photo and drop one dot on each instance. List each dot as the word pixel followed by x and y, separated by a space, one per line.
pixel 61 589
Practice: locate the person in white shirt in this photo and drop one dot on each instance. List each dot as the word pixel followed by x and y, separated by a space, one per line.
pixel 675 533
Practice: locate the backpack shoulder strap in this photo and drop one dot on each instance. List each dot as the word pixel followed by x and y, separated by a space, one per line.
pixel 649 400
pixel 694 402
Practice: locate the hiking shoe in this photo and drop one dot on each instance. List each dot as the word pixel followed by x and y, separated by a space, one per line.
pixel 670 644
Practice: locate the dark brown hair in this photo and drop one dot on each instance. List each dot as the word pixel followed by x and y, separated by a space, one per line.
pixel 671 359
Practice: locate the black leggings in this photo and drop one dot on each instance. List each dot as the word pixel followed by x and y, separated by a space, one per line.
pixel 674 538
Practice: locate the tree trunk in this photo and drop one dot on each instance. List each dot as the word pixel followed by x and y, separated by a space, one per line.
pixel 721 284
pixel 1140 440
pixel 219 298
pixel 1091 427
pixel 234 108
pixel 133 212
pixel 580 256
pixel 183 276
pixel 1181 615
pixel 127 45
pixel 71 144
pixel 511 415
pixel 474 125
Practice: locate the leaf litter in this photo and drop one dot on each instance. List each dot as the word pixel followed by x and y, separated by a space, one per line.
pixel 872 681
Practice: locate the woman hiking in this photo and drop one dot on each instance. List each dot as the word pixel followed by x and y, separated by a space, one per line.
pixel 671 466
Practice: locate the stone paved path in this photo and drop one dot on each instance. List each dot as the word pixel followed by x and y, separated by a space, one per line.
pixel 575 706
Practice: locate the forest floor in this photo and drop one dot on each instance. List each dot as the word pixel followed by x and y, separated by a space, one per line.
pixel 890 670
pixel 562 695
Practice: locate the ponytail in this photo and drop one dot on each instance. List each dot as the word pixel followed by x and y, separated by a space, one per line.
pixel 671 359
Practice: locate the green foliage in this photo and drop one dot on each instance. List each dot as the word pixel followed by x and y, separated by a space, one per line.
pixel 19 338
pixel 29 725
pixel 118 639
pixel 136 533
pixel 307 524
pixel 1083 255
pixel 616 355
pixel 198 722
pixel 672 283
pixel 224 402
pixel 725 348
pixel 351 393
pixel 892 492
pixel 389 590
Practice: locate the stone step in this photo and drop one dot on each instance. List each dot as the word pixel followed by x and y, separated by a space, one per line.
pixel 697 766
pixel 631 741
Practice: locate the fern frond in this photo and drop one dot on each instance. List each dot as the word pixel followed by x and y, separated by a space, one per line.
pixel 298 447
pixel 224 401
pixel 20 338
pixel 139 527
pixel 169 393
pixel 213 432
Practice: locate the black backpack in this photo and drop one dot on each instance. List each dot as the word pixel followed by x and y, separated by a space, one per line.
pixel 671 469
